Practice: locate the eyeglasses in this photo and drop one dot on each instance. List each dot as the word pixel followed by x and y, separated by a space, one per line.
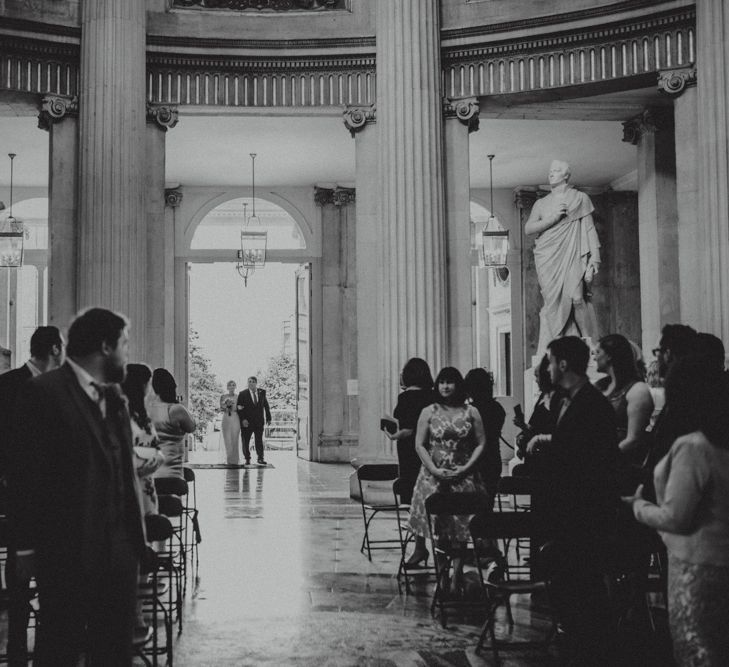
pixel 657 351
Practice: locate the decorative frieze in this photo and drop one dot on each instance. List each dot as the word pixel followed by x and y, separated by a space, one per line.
pixel 675 81
pixel 466 110
pixel 356 117
pixel 262 5
pixel 54 108
pixel 338 196
pixel 164 115
pixel 173 197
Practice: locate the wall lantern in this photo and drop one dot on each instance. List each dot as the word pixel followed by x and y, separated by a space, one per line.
pixel 494 241
pixel 253 239
pixel 12 233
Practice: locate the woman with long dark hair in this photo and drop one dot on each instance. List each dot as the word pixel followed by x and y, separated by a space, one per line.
pixel 691 514
pixel 417 393
pixel 627 392
pixel 449 440
pixel 172 421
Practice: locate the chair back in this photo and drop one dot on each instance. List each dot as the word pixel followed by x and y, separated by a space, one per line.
pixel 455 504
pixel 505 526
pixel 378 472
pixel 517 486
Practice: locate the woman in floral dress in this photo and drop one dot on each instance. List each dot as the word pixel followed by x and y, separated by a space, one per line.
pixel 449 439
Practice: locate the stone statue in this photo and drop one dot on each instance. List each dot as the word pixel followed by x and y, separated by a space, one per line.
pixel 567 257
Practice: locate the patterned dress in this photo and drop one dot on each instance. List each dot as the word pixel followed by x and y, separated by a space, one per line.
pixel 145 437
pixel 451 443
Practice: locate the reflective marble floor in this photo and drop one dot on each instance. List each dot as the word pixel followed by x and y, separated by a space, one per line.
pixel 282 582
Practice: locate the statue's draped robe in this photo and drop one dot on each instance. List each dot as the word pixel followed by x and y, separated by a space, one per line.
pixel 561 255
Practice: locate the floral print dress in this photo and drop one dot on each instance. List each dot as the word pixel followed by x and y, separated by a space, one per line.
pixel 451 443
pixel 145 437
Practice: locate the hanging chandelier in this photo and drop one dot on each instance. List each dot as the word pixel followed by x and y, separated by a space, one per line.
pixel 253 239
pixel 12 233
pixel 494 241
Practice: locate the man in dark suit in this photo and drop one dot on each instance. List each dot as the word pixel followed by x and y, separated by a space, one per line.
pixel 47 350
pixel 579 500
pixel 73 498
pixel 252 409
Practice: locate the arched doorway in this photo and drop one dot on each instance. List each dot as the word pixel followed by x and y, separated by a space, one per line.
pixel 261 326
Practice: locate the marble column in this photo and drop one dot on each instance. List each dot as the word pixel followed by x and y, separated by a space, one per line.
pixel 160 238
pixel 339 331
pixel 652 132
pixel 712 261
pixel 112 237
pixel 680 83
pixel 461 118
pixel 59 116
pixel 360 121
pixel 412 244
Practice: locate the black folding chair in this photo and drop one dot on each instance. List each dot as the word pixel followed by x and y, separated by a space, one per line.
pixel 519 490
pixel 406 572
pixel 507 526
pixel 439 508
pixel 375 502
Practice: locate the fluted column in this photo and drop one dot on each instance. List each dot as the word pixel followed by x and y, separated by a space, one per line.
pixel 412 233
pixel 712 39
pixel 112 217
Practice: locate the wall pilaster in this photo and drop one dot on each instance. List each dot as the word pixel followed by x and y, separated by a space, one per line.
pixel 652 133
pixel 461 118
pixel 59 116
pixel 112 253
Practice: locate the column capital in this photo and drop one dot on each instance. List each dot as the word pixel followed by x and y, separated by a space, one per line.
pixel 675 81
pixel 54 108
pixel 173 197
pixel 465 109
pixel 164 115
pixel 356 116
pixel 337 196
pixel 646 122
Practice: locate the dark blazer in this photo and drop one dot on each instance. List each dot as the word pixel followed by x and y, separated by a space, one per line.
pixel 10 384
pixel 61 489
pixel 253 413
pixel 579 466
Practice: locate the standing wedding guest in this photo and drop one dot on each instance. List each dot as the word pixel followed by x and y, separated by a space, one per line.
pixel 230 425
pixel 74 503
pixel 417 393
pixel 628 394
pixel 172 422
pixel 47 352
pixel 449 440
pixel 691 513
pixel 480 387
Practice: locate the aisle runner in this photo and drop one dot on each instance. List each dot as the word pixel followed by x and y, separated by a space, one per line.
pixel 229 466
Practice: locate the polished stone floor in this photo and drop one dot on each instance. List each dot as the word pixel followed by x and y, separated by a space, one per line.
pixel 282 582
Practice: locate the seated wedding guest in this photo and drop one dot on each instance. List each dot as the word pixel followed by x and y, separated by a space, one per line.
pixel 628 394
pixel 449 440
pixel 172 422
pixel 480 388
pixel 147 457
pixel 691 513
pixel 577 467
pixel 543 415
pixel 417 393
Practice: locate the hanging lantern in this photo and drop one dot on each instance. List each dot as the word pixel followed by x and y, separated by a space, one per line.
pixel 12 233
pixel 494 242
pixel 253 239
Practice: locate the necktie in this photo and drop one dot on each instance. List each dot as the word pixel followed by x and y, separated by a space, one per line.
pixel 101 398
pixel 255 398
pixel 565 404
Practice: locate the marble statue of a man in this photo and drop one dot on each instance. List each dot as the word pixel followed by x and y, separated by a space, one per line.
pixel 567 257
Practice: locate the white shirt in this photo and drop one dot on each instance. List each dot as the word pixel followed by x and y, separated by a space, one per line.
pixel 34 370
pixel 88 383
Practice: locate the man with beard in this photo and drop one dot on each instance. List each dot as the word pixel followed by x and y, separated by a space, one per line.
pixel 73 501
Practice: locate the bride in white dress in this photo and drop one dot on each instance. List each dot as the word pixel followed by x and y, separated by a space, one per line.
pixel 230 425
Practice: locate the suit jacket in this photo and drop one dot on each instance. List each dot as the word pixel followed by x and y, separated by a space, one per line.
pixel 61 477
pixel 579 467
pixel 10 384
pixel 257 414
